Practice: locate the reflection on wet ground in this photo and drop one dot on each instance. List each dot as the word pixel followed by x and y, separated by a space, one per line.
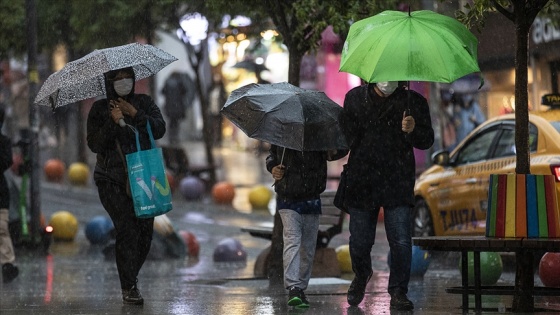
pixel 76 278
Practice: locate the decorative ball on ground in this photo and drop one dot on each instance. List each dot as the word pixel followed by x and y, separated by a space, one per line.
pixel 54 170
pixel 420 262
pixel 343 257
pixel 78 173
pixel 229 250
pixel 65 226
pixel 223 192
pixel 491 267
pixel 171 181
pixel 549 270
pixel 162 225
pixel 192 188
pixel 259 197
pixel 98 230
pixel 193 247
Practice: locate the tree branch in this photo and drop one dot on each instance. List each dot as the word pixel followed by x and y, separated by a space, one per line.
pixel 509 15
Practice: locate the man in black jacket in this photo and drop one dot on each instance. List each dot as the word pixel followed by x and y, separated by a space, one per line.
pixel 109 135
pixel 300 178
pixel 382 123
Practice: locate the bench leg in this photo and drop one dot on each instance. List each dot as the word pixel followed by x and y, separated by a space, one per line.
pixel 523 300
pixel 477 282
pixel 465 279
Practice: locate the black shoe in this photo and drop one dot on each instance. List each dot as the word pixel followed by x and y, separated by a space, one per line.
pixel 399 301
pixel 9 272
pixel 357 290
pixel 132 296
pixel 297 298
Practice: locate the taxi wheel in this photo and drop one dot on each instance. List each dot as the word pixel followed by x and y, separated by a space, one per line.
pixel 422 223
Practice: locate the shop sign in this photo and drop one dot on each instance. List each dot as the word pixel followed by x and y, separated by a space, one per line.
pixel 551 99
pixel 544 31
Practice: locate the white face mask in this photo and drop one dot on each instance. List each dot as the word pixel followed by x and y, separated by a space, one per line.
pixel 123 87
pixel 387 88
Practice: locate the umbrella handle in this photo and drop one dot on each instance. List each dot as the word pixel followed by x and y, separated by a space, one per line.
pixel 281 161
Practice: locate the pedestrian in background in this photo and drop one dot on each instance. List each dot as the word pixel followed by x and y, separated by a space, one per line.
pixel 382 123
pixel 7 254
pixel 300 178
pixel 111 140
pixel 468 116
pixel 175 92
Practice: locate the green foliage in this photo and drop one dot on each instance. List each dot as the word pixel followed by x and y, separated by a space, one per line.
pixel 12 31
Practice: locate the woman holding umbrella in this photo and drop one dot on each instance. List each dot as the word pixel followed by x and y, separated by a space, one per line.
pixel 110 138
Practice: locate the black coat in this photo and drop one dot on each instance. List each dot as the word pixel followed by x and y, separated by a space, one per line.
pixel 381 167
pixel 102 133
pixel 5 163
pixel 305 176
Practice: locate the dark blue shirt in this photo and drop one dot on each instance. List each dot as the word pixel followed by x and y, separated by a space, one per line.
pixel 312 206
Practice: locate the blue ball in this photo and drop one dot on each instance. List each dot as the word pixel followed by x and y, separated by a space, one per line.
pixel 420 261
pixel 98 230
pixel 192 188
pixel 230 250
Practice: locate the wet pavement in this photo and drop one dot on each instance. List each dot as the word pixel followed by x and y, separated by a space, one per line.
pixel 75 278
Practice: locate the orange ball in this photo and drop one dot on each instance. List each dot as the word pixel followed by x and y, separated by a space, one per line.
pixel 223 193
pixel 54 170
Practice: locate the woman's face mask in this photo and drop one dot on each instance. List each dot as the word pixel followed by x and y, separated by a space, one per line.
pixel 123 87
pixel 387 88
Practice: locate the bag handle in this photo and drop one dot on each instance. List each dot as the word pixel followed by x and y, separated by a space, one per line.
pixel 152 141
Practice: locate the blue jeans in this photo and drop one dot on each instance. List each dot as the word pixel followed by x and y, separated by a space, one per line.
pixel 362 237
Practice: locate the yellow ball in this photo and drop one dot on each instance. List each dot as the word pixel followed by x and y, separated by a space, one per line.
pixel 259 197
pixel 343 257
pixel 78 173
pixel 65 226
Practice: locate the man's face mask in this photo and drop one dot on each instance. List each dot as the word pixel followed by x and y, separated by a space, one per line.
pixel 123 87
pixel 387 88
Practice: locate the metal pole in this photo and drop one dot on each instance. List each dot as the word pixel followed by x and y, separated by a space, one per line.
pixel 33 80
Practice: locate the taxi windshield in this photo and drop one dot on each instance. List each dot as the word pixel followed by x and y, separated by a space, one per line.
pixel 556 125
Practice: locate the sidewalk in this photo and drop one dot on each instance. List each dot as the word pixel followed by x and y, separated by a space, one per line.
pixel 76 279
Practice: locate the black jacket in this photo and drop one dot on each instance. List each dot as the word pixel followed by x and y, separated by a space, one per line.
pixel 102 133
pixel 381 167
pixel 305 175
pixel 5 163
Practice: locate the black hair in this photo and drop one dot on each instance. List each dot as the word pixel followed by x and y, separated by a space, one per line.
pixel 110 77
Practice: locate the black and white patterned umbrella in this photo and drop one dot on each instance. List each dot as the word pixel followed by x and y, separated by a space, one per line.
pixel 83 78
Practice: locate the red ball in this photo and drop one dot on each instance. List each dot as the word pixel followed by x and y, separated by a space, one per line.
pixel 193 247
pixel 171 181
pixel 54 170
pixel 549 269
pixel 223 193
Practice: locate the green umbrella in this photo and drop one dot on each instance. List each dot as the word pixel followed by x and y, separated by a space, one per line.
pixel 409 46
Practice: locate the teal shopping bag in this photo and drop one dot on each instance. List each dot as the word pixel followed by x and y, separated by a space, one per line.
pixel 149 186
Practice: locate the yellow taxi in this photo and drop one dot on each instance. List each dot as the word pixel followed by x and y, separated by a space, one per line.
pixel 452 195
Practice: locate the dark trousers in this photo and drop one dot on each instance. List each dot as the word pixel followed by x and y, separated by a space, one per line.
pixel 398 228
pixel 133 235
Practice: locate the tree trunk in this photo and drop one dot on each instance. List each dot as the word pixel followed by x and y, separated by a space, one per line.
pixel 521 95
pixel 274 263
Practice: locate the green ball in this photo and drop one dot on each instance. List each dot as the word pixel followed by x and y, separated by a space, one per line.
pixel 491 267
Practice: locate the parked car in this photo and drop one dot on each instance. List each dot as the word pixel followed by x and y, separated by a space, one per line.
pixel 452 195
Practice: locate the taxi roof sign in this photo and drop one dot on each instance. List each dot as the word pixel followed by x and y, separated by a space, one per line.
pixel 551 99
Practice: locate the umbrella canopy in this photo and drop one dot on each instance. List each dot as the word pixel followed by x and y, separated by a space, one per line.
pixel 251 66
pixel 413 46
pixel 83 78
pixel 286 116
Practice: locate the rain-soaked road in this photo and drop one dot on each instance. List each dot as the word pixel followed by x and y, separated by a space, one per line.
pixel 75 278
